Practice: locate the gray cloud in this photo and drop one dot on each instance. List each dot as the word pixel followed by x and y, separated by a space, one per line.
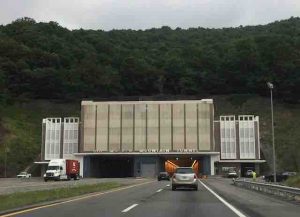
pixel 144 14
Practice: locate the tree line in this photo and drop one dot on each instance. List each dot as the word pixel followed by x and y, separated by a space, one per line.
pixel 45 60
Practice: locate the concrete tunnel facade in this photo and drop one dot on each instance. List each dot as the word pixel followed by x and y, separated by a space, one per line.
pixel 139 138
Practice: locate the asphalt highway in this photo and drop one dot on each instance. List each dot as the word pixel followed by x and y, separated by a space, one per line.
pixel 148 199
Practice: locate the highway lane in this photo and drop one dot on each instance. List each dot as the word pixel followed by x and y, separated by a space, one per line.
pixel 182 203
pixel 154 199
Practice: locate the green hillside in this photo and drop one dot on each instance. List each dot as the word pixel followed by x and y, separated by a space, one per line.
pixel 21 130
pixel 42 64
pixel 47 61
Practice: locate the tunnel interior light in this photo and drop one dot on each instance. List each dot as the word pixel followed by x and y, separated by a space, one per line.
pixel 194 163
pixel 172 163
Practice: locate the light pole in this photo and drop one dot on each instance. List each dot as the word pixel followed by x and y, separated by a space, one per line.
pixel 5 159
pixel 271 86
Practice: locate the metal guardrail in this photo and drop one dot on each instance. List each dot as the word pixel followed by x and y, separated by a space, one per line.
pixel 286 192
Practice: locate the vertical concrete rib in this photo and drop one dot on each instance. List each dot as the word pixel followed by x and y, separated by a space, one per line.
pixel 184 125
pixel 96 127
pixel 62 134
pixel 146 128
pixel 121 147
pixel 81 149
pixel 198 127
pixel 133 134
pixel 108 120
pixel 212 141
pixel 158 127
pixel 172 145
pixel 79 136
pixel 43 140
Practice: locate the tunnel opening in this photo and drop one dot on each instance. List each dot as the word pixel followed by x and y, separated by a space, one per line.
pixel 245 167
pixel 111 167
pixel 171 164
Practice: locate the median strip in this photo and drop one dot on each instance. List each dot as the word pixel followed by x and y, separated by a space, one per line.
pixel 20 199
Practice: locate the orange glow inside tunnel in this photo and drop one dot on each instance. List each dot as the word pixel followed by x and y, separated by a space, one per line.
pixel 171 165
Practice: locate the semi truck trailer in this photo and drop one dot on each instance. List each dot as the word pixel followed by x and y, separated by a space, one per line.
pixel 62 169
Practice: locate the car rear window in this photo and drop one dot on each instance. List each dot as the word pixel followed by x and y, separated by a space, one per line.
pixel 184 170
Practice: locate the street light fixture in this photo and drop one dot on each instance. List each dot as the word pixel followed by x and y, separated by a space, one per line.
pixel 271 86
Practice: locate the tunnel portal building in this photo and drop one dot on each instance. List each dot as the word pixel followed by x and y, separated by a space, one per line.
pixel 142 138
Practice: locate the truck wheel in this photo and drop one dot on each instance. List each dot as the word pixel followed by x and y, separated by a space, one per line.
pixel 45 180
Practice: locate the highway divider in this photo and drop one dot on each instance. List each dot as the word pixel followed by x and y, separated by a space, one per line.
pixel 286 192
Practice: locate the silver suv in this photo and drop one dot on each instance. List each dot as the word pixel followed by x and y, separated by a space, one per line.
pixel 184 177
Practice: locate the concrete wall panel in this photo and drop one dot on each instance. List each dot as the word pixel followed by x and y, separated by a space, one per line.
pixel 70 136
pixel 114 127
pixel 191 126
pixel 53 138
pixel 102 127
pixel 204 127
pixel 152 126
pixel 178 126
pixel 165 127
pixel 127 127
pixel 140 127
pixel 247 136
pixel 89 118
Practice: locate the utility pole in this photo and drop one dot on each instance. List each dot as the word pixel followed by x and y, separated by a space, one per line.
pixel 5 159
pixel 271 86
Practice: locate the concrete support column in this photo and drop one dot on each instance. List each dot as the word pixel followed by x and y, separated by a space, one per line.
pixel 213 159
pixel 257 168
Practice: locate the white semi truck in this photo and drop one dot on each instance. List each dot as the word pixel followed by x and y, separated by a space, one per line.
pixel 62 169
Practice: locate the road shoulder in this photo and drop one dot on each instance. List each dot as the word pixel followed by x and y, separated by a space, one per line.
pixel 250 202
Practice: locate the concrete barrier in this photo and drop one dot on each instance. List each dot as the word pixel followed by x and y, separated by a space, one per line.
pixel 286 192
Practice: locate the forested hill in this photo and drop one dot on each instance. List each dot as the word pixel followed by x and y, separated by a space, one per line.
pixel 45 60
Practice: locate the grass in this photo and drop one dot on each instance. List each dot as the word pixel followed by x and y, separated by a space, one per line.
pixel 22 123
pixel 20 199
pixel 293 181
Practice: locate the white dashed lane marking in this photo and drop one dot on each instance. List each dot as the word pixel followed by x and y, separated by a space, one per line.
pixel 130 207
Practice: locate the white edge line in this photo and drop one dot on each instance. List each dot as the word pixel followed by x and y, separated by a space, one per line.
pixel 159 190
pixel 235 210
pixel 130 207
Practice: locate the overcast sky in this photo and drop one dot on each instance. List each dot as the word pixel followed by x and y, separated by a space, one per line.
pixel 144 14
